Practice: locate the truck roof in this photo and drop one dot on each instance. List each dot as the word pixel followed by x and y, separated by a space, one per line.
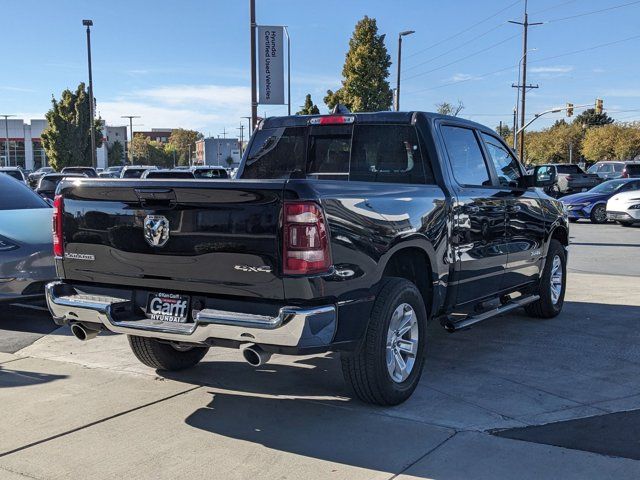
pixel 369 117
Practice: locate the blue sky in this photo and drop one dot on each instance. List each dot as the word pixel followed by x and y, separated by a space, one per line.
pixel 185 63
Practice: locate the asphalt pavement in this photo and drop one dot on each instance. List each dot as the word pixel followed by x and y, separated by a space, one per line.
pixel 513 397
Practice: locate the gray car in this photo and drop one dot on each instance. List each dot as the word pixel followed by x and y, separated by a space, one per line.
pixel 26 251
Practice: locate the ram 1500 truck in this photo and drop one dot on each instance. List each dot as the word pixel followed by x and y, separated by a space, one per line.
pixel 342 233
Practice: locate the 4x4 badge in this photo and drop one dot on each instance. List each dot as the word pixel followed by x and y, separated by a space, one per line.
pixel 248 268
pixel 156 230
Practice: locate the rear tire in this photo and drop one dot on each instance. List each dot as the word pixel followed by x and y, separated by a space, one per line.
pixel 626 224
pixel 550 304
pixel 599 214
pixel 371 370
pixel 164 356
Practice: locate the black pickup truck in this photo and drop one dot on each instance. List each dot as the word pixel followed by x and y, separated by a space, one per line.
pixel 342 233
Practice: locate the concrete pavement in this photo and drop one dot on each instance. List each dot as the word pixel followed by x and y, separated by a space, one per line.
pixel 90 410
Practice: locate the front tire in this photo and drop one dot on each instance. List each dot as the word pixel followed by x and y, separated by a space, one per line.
pixel 386 367
pixel 552 284
pixel 599 214
pixel 165 356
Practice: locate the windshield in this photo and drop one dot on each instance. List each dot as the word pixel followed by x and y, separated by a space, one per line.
pixel 13 173
pixel 608 187
pixel 17 196
pixel 569 168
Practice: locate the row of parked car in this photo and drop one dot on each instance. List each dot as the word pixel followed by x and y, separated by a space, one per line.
pixel 45 180
pixel 608 190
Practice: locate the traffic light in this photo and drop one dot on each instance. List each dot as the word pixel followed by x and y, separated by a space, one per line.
pixel 599 108
pixel 569 109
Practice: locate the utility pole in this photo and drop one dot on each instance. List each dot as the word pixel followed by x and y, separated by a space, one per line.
pixel 523 102
pixel 241 128
pixel 254 84
pixel 130 117
pixel 224 133
pixel 89 24
pixel 400 35
pixel 7 154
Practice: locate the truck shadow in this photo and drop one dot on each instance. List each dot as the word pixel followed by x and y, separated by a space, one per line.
pixel 506 372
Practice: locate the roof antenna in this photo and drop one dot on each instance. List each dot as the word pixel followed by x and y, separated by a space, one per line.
pixel 340 109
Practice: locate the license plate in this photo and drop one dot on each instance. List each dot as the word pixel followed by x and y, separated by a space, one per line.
pixel 168 307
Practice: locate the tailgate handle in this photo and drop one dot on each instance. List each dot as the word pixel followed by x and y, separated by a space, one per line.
pixel 157 197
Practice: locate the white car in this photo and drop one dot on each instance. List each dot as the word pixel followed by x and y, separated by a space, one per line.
pixel 624 208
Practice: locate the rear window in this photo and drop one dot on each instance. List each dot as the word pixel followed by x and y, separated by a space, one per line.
pixel 568 169
pixel 133 173
pixel 13 173
pixel 17 196
pixel 89 172
pixel 371 153
pixel 633 169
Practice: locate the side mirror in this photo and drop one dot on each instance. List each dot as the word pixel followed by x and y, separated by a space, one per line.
pixel 544 176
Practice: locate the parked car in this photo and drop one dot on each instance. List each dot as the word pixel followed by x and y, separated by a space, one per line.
pixel 571 179
pixel 115 170
pixel 343 233
pixel 107 174
pixel 14 172
pixel 624 206
pixel 135 171
pixel 155 174
pixel 207 172
pixel 631 170
pixel 26 254
pixel 34 177
pixel 592 205
pixel 607 169
pixel 47 185
pixel 86 171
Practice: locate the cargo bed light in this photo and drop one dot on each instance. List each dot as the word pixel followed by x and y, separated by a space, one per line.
pixel 332 120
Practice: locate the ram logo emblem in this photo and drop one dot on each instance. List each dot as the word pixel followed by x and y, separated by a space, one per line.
pixel 156 230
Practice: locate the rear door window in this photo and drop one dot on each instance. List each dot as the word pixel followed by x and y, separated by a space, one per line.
pixel 467 162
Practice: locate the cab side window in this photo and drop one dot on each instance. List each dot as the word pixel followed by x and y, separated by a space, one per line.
pixel 506 165
pixel 467 161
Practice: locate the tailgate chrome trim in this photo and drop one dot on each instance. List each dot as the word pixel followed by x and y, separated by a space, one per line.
pixel 293 326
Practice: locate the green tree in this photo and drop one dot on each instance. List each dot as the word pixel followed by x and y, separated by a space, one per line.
pixel 366 68
pixel 446 108
pixel 67 138
pixel 309 108
pixel 612 142
pixel 504 131
pixel 149 152
pixel 184 141
pixel 589 118
pixel 115 153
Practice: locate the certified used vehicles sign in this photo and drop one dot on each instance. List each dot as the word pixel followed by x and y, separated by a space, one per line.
pixel 168 307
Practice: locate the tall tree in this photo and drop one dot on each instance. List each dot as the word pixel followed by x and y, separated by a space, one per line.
pixel 612 142
pixel 446 108
pixel 366 68
pixel 115 153
pixel 309 108
pixel 67 138
pixel 149 152
pixel 184 142
pixel 504 131
pixel 590 118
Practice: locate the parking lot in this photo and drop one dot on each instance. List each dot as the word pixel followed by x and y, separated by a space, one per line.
pixel 90 410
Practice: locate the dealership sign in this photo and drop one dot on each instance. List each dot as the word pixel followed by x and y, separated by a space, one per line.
pixel 271 65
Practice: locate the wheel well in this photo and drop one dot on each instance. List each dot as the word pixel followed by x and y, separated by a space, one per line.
pixel 562 235
pixel 412 264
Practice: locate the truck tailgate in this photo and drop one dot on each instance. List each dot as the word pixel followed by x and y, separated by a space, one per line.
pixel 210 237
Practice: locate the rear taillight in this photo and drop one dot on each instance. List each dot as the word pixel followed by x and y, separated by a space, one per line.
pixel 58 210
pixel 625 174
pixel 305 239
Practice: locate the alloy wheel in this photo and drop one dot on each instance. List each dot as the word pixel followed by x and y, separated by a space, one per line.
pixel 402 342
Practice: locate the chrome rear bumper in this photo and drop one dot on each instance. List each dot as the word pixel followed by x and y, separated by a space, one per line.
pixel 292 327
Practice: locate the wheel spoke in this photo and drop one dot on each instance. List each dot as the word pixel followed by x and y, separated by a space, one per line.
pixel 406 324
pixel 410 347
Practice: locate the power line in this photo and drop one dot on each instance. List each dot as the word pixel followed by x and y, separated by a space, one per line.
pixel 474 39
pixel 553 7
pixel 463 58
pixel 461 32
pixel 593 12
pixel 484 75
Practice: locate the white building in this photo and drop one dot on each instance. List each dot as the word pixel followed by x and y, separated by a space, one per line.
pixel 25 145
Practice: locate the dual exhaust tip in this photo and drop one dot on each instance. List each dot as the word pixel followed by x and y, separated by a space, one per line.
pixel 252 353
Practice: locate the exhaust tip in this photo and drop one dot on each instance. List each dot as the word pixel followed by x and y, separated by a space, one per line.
pixel 255 356
pixel 82 333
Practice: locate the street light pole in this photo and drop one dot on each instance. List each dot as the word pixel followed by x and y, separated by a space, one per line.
pixel 130 117
pixel 402 34
pixel 254 82
pixel 89 24
pixel 7 157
